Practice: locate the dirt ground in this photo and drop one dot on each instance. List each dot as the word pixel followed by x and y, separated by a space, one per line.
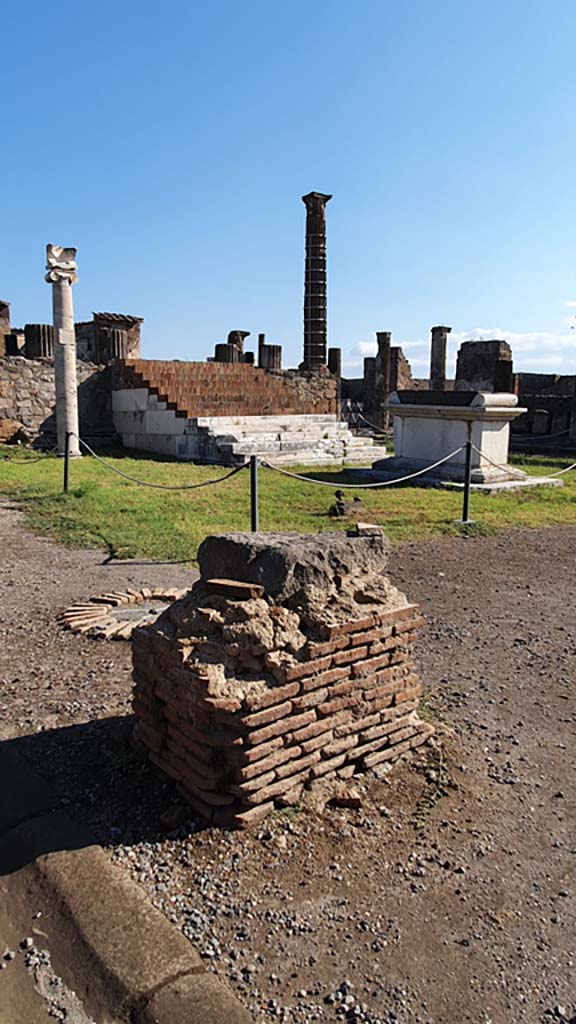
pixel 449 897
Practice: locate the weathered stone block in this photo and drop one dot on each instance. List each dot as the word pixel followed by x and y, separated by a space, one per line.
pixel 299 569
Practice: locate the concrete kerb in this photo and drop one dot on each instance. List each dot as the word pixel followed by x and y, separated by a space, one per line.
pixel 120 955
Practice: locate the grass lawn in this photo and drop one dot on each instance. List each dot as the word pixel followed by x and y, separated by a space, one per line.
pixel 129 520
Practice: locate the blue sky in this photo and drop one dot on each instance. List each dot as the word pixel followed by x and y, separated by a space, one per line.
pixel 171 144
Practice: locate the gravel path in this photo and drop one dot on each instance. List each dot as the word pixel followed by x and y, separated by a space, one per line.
pixel 449 897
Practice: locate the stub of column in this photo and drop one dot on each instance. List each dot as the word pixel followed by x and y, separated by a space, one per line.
pixel 111 343
pixel 261 347
pixel 236 341
pixel 438 358
pixel 5 329
pixel 221 353
pixel 271 357
pixel 14 343
pixel 315 306
pixel 38 341
pixel 335 361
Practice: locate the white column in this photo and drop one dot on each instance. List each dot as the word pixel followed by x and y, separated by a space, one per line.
pixel 61 274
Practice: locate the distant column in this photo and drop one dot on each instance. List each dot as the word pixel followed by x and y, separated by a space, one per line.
pixel 438 358
pixel 236 344
pixel 315 327
pixel 111 343
pixel 382 382
pixel 273 360
pixel 335 361
pixel 61 274
pixel 4 325
pixel 222 353
pixel 38 341
pixel 269 356
pixel 368 385
pixel 261 347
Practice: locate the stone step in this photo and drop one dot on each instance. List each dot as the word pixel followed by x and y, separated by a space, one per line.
pixel 305 444
pixel 271 424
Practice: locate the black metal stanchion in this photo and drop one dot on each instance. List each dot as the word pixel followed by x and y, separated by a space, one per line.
pixel 254 493
pixel 467 482
pixel 67 461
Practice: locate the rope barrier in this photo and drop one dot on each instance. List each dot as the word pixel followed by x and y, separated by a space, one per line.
pixel 23 462
pixel 373 426
pixel 561 471
pixel 28 462
pixel 356 487
pixel 160 487
pixel 538 438
pixel 519 473
pixel 505 469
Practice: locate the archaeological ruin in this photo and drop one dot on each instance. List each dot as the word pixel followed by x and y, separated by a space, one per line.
pixel 547 400
pixel 289 662
pixel 224 410
pixel 241 402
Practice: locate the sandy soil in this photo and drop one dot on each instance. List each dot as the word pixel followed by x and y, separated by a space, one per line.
pixel 449 897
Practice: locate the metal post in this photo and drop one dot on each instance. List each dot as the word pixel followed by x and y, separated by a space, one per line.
pixel 67 461
pixel 254 493
pixel 467 482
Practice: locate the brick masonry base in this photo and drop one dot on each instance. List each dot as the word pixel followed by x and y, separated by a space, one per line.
pixel 348 704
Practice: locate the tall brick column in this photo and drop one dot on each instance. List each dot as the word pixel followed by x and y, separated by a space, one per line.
pixel 438 358
pixel 315 281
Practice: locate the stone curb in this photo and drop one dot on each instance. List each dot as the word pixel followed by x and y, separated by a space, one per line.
pixel 120 955
pixel 93 617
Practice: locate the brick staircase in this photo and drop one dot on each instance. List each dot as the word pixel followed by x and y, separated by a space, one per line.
pixel 224 412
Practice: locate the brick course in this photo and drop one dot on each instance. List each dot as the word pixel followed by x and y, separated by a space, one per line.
pixel 338 709
pixel 229 389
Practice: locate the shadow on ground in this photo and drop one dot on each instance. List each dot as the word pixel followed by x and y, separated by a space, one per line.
pixel 95 774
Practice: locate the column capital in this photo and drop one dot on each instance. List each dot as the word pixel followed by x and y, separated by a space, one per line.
pixel 315 200
pixel 60 264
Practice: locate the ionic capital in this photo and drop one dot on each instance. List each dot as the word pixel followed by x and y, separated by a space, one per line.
pixel 60 264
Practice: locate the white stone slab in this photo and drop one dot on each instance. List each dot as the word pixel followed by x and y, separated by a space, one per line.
pixel 425 434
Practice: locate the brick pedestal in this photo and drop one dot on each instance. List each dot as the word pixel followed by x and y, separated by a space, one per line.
pixel 245 701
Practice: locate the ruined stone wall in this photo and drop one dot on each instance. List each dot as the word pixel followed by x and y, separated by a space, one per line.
pixel 533 383
pixel 400 371
pixel 484 366
pixel 545 414
pixel 365 389
pixel 317 390
pixel 550 403
pixel 27 395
